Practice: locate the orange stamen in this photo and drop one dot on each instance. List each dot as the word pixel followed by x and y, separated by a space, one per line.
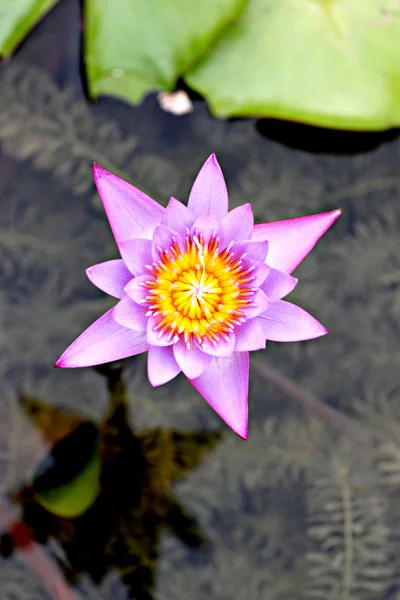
pixel 199 292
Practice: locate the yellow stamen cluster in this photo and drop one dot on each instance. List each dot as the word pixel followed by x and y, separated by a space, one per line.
pixel 199 292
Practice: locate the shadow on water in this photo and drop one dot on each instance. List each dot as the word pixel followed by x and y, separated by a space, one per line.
pixel 320 140
pixel 120 530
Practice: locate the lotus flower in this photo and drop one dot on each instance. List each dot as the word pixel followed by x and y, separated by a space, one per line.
pixel 198 288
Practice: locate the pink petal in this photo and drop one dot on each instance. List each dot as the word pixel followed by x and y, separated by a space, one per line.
pixel 161 365
pixel 261 302
pixel 153 336
pixel 223 348
pixel 192 361
pixel 131 213
pixel 136 289
pixel 163 239
pixel 224 385
pixel 238 224
pixel 209 190
pixel 104 341
pixel 208 225
pixel 129 314
pixel 286 322
pixel 252 250
pixel 291 240
pixel 178 217
pixel 137 255
pixel 110 276
pixel 250 336
pixel 278 285
pixel 260 272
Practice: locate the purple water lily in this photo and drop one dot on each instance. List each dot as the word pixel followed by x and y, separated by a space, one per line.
pixel 198 287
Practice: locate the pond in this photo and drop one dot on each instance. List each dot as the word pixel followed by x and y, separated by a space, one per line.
pixel 308 507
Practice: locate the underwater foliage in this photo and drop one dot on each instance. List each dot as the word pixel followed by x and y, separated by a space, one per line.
pixel 53 129
pixel 350 554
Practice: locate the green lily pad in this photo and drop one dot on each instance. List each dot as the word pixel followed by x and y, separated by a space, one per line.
pixel 17 17
pixel 334 63
pixel 328 62
pixel 134 47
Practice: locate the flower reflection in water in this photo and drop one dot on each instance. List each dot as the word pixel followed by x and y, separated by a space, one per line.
pixel 131 506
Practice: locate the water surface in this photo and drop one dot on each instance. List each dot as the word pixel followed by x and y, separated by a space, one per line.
pixel 307 508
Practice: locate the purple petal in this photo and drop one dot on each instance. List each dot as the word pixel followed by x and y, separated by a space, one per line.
pixel 104 341
pixel 224 347
pixel 131 213
pixel 291 240
pixel 250 336
pixel 136 255
pixel 224 385
pixel 208 225
pixel 178 217
pixel 153 336
pixel 278 285
pixel 129 314
pixel 192 361
pixel 163 239
pixel 253 250
pixel 136 289
pixel 260 272
pixel 110 276
pixel 286 322
pixel 209 190
pixel 238 224
pixel 261 303
pixel 161 365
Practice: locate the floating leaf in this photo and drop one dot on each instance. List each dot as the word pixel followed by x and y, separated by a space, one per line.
pixel 17 18
pixel 334 63
pixel 329 62
pixel 134 47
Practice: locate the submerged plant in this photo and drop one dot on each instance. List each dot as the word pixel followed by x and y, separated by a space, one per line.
pixel 199 288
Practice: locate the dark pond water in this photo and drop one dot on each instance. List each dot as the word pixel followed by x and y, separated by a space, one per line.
pixel 308 507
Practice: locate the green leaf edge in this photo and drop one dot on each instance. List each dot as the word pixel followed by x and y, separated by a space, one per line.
pixel 224 108
pixel 24 27
pixel 139 86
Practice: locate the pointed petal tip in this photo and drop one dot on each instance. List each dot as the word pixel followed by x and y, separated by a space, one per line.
pixel 224 385
pixel 241 432
pixel 336 213
pixel 98 172
pixel 132 214
pixel 96 169
pixel 214 160
pixel 62 363
pixel 291 240
pixel 238 424
pixel 209 190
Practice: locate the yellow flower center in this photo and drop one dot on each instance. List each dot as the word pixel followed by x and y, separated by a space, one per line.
pixel 200 292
